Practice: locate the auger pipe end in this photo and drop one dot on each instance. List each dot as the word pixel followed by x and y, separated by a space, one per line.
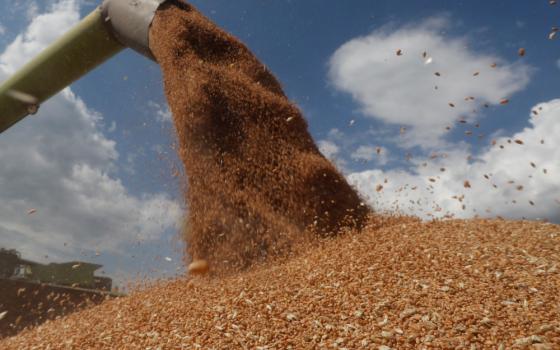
pixel 130 20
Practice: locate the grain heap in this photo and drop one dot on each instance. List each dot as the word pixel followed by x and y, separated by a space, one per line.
pixel 256 180
pixel 478 284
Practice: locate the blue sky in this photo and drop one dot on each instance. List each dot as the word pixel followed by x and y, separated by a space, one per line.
pixel 376 114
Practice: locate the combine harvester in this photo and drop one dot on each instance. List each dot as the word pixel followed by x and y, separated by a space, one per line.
pixel 31 293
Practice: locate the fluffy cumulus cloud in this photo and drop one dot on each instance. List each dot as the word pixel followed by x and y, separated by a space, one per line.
pixel 368 153
pixel 162 112
pixel 419 79
pixel 332 151
pixel 328 148
pixel 61 164
pixel 411 75
pixel 42 30
pixel 517 176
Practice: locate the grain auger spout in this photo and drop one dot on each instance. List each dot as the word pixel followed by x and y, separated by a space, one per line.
pixel 112 27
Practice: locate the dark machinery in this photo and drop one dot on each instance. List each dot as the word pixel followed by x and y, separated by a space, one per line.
pixel 73 274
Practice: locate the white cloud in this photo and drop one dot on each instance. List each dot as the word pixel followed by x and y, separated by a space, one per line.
pixel 113 127
pixel 43 30
pixel 328 148
pixel 412 192
pixel 60 163
pixel 401 89
pixel 364 153
pixel 163 114
pixel 32 10
pixel 24 7
pixel 368 153
pixel 332 151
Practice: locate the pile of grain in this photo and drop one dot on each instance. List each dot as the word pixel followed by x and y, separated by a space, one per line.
pixel 409 285
pixel 256 180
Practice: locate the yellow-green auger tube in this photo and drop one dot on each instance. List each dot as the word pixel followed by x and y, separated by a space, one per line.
pixel 110 28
